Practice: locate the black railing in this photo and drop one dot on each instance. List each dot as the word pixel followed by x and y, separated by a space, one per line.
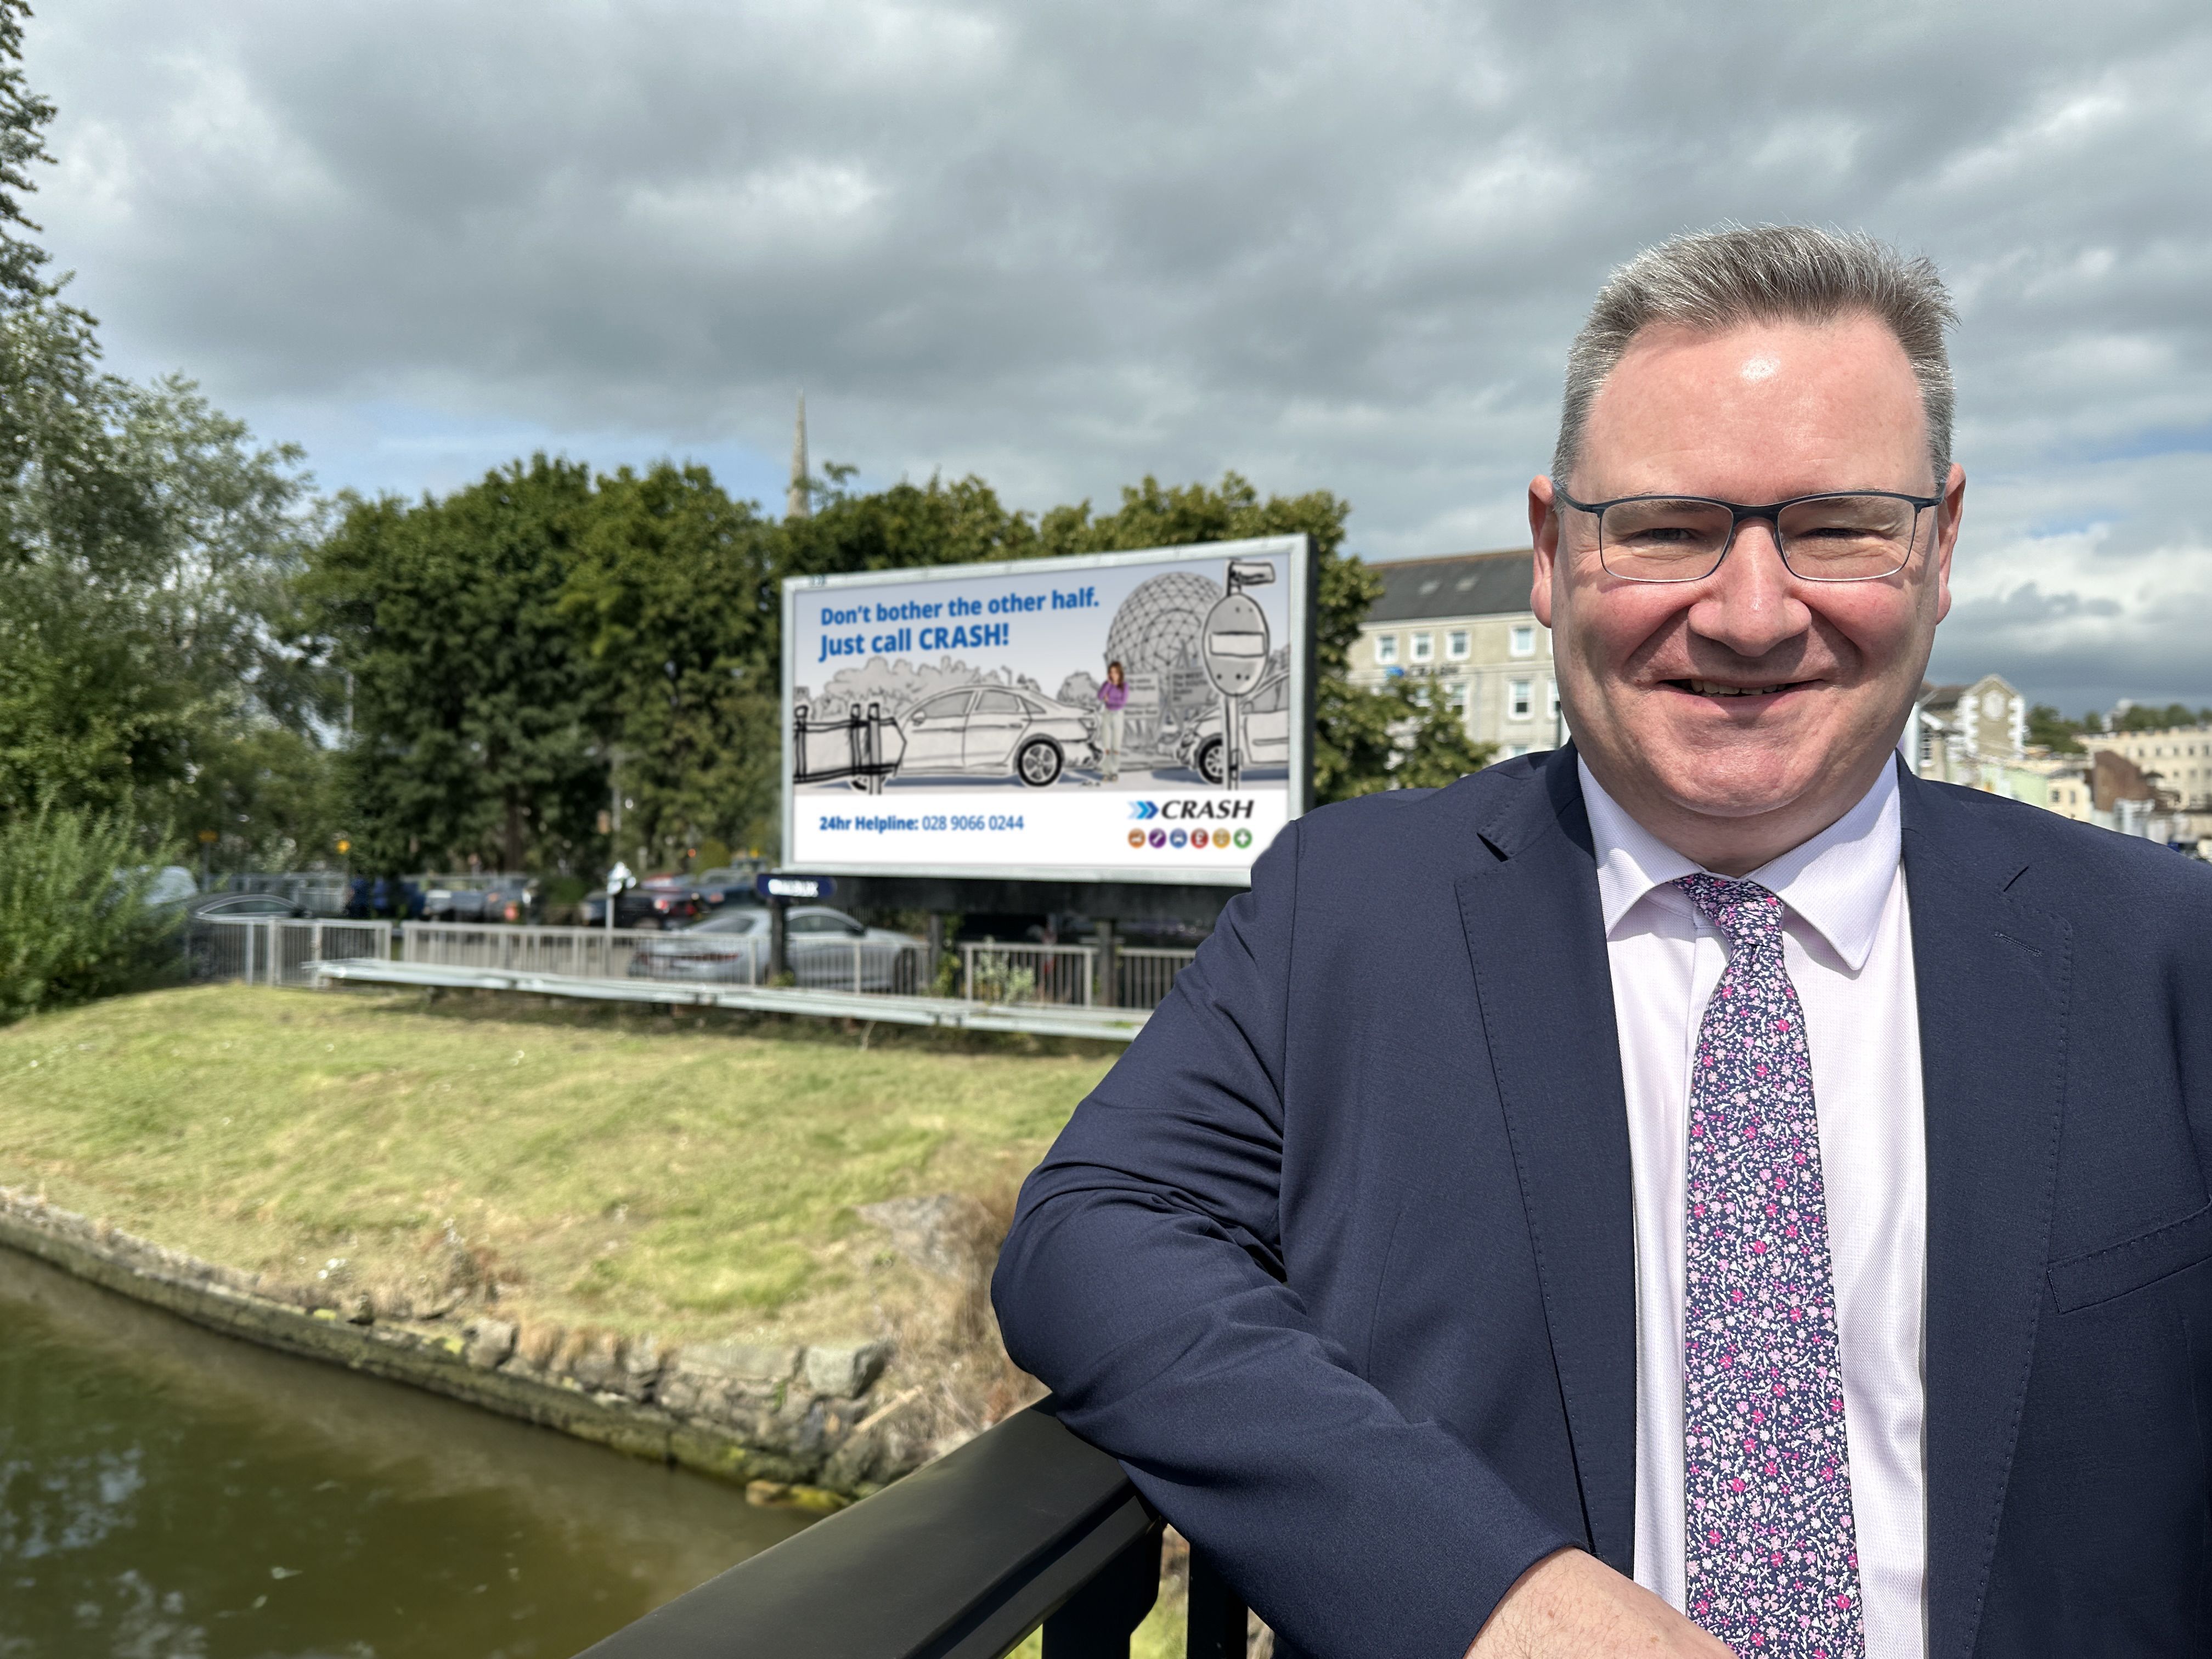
pixel 1024 1526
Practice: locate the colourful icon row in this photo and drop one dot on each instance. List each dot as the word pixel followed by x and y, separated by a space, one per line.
pixel 1198 838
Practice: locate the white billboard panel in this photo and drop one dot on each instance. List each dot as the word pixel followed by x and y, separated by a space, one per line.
pixel 964 720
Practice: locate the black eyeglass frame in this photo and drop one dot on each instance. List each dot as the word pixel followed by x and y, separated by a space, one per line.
pixel 1738 513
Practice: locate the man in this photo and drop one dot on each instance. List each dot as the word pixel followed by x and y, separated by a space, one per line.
pixel 1703 1190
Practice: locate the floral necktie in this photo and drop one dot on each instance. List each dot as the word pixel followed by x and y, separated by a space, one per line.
pixel 1773 1565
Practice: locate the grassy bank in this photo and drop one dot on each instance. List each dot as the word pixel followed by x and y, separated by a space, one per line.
pixel 623 1171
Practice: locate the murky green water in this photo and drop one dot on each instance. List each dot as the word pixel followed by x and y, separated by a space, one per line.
pixel 169 1493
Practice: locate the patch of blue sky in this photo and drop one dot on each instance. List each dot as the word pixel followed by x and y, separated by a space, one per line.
pixel 392 446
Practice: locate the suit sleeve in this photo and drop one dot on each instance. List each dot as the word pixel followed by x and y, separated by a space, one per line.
pixel 1144 1282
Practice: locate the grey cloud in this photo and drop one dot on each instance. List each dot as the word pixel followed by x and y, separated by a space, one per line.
pixel 1064 245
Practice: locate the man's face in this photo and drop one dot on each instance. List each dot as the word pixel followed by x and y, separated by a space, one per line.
pixel 1754 415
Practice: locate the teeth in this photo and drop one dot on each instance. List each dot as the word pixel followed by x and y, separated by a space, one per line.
pixel 1711 688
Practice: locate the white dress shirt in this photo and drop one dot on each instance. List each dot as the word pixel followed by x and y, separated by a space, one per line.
pixel 1848 944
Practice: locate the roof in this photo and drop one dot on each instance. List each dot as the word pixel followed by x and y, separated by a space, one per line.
pixel 1462 585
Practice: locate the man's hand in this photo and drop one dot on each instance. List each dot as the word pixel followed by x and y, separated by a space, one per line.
pixel 1571 1606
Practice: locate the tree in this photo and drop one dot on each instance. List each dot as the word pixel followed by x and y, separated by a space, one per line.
pixel 2053 730
pixel 2143 717
pixel 1363 740
pixel 674 596
pixel 478 725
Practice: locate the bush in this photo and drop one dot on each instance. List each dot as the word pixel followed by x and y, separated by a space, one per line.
pixel 74 920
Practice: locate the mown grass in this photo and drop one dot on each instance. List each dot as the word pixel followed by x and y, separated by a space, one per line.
pixel 633 1173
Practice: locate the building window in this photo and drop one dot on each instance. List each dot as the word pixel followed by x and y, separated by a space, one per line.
pixel 1455 644
pixel 1422 694
pixel 1519 696
pixel 1524 639
pixel 1386 648
pixel 1425 646
pixel 1455 695
pixel 1551 700
pixel 1514 750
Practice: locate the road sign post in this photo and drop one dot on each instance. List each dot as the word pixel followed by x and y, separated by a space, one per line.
pixel 1235 644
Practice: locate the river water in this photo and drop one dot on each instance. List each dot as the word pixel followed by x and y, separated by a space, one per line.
pixel 169 1493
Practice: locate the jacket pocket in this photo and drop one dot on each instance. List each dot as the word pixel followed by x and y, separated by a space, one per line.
pixel 2084 1280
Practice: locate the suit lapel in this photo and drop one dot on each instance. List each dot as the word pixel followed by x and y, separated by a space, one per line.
pixel 1993 980
pixel 1536 936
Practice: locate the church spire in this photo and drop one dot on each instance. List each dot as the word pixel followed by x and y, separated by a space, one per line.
pixel 798 505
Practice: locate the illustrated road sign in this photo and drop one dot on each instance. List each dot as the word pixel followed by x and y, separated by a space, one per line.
pixel 1235 642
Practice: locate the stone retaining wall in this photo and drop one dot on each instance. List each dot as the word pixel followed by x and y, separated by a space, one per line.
pixel 800 1419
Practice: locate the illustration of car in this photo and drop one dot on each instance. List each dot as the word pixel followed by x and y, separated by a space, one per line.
pixel 991 731
pixel 1266 723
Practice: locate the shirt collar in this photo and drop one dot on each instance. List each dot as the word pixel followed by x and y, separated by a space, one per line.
pixel 1838 882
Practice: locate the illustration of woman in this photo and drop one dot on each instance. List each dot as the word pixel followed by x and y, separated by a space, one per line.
pixel 1115 695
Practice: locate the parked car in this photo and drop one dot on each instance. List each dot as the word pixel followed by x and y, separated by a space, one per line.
pixel 656 902
pixel 451 899
pixel 995 731
pixel 731 885
pixel 511 898
pixel 732 947
pixel 1267 722
pixel 171 884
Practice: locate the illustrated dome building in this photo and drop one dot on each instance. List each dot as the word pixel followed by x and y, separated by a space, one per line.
pixel 1157 634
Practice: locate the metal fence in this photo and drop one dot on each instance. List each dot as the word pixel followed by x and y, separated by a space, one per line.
pixel 270 950
pixel 1142 976
pixel 261 950
pixel 1058 974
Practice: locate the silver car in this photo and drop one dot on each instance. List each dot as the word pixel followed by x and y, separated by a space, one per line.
pixel 995 731
pixel 1265 717
pixel 828 949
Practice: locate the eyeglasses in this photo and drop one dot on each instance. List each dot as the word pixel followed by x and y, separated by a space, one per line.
pixel 1853 536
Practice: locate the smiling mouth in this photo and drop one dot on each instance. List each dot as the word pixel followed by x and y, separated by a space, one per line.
pixel 1719 689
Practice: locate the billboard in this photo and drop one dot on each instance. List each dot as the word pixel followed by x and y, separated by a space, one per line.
pixel 1112 717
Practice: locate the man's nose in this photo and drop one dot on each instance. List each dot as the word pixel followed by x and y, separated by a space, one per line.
pixel 1750 604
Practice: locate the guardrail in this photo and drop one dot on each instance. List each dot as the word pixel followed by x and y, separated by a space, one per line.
pixel 1024 1526
pixel 832 963
pixel 271 951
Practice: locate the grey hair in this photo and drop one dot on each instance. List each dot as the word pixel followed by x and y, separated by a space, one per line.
pixel 1722 279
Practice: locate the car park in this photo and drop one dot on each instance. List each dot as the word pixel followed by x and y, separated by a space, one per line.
pixel 995 731
pixel 826 949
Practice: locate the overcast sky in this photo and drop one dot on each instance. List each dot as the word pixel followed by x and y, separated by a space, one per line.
pixel 1329 246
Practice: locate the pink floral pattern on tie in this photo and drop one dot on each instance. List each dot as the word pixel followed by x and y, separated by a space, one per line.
pixel 1773 1560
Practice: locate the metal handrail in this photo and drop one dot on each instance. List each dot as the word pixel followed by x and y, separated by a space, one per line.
pixel 1025 1525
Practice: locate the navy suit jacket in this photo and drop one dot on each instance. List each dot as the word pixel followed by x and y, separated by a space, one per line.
pixel 1338 1260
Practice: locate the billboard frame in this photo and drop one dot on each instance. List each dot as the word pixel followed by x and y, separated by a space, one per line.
pixel 1303 573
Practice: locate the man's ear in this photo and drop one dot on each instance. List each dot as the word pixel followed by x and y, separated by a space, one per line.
pixel 1953 511
pixel 1543 537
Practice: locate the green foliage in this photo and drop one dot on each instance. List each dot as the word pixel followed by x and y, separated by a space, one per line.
pixel 674 591
pixel 902 527
pixel 146 546
pixel 73 921
pixel 2053 730
pixel 477 722
pixel 23 117
pixel 2141 717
